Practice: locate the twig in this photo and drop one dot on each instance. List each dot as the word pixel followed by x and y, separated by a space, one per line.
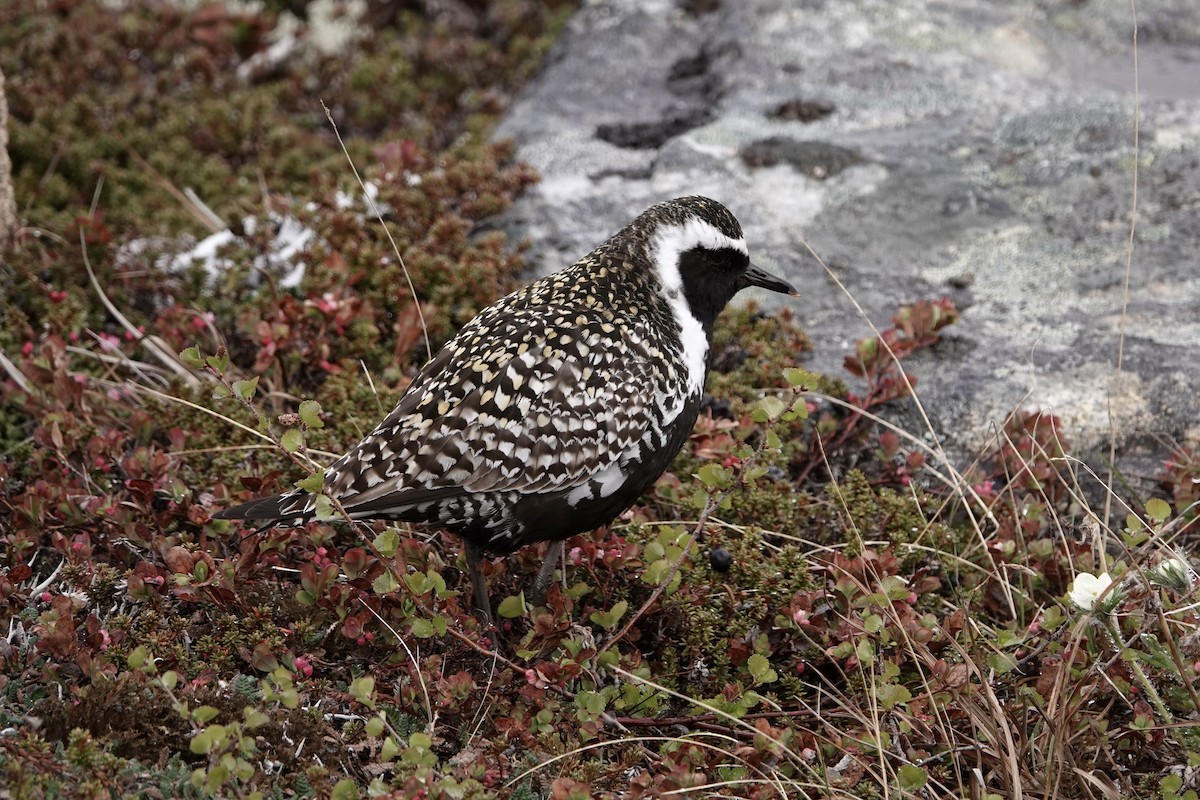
pixel 395 249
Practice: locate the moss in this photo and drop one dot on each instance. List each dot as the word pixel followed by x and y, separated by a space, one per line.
pixel 853 511
pixel 714 615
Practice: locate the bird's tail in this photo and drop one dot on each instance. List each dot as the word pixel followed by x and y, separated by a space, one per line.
pixel 292 508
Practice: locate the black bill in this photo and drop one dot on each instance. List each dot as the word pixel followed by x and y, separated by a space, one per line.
pixel 756 276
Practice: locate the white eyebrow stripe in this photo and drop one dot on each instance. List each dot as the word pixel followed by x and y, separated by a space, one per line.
pixel 675 240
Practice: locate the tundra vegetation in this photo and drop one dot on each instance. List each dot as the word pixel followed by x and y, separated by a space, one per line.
pixel 812 602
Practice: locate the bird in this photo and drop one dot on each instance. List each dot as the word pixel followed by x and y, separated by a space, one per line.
pixel 555 408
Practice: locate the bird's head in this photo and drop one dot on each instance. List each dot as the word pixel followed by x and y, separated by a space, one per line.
pixel 700 256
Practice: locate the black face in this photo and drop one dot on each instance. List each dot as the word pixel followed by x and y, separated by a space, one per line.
pixel 712 277
pixel 710 280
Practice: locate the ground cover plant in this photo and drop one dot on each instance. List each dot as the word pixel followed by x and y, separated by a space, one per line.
pixel 813 602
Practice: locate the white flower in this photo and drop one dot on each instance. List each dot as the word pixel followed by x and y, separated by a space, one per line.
pixel 1174 574
pixel 1087 588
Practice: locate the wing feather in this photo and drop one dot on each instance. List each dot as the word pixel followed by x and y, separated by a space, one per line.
pixel 537 411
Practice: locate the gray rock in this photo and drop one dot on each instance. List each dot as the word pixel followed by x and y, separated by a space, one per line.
pixel 977 149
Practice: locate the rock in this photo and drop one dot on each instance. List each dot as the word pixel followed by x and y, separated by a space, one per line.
pixel 974 149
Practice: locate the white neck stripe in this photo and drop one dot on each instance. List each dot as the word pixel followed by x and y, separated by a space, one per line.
pixel 665 250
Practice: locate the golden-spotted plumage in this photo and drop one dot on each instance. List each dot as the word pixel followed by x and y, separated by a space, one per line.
pixel 552 410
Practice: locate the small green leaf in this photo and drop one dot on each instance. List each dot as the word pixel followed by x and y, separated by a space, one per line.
pixel 422 628
pixel 895 587
pixel 590 704
pixel 799 377
pixel 1007 638
pixel 363 690
pixel 137 657
pixel 345 789
pixel 169 679
pixel 713 476
pixel 310 414
pixel 760 669
pixel 290 698
pixel 513 606
pixel 374 727
pixel 389 750
pixel 200 743
pixel 868 349
pixel 205 714
pixel 219 362
pixel 1052 617
pixel 245 389
pixel 911 777
pixel 609 619
pixel 1001 663
pixel 656 572
pixel 767 409
pixel 313 484
pixel 385 583
pixel 1137 538
pixel 220 392
pixel 218 776
pixel 418 582
pixel 387 542
pixel 865 652
pixel 1158 510
pixel 893 694
pixel 208 739
pixel 323 508
pixel 191 357
pixel 254 718
pixel 292 440
pixel 436 582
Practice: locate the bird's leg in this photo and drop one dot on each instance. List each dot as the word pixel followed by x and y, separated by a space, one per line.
pixel 478 583
pixel 541 584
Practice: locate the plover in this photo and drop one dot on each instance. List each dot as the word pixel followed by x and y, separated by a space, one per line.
pixel 557 406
